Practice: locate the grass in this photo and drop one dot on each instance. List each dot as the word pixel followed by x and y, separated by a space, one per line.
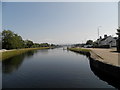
pixel 10 53
pixel 81 51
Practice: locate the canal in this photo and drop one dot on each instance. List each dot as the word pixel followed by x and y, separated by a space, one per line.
pixel 50 68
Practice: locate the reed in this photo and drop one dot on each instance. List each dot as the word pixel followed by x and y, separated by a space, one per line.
pixel 81 51
pixel 10 53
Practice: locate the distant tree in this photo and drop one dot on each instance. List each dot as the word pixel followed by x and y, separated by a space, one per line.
pixel 77 45
pixel 28 43
pixel 118 40
pixel 35 45
pixel 52 45
pixel 95 44
pixel 89 42
pixel 0 40
pixel 10 40
pixel 44 45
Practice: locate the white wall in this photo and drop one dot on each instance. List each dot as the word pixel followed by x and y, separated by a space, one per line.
pixel 106 41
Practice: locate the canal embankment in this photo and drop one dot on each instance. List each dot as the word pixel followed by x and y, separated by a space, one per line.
pixel 108 56
pixel 5 54
pixel 81 51
pixel 104 60
pixel 106 72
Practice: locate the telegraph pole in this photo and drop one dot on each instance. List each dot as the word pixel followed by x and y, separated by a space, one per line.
pixel 98 31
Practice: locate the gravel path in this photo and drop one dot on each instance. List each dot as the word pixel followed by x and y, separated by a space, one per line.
pixel 108 56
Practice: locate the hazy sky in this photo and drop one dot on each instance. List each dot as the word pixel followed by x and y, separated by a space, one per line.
pixel 60 22
pixel 119 14
pixel 0 17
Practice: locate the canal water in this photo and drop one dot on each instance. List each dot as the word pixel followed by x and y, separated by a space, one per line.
pixel 50 68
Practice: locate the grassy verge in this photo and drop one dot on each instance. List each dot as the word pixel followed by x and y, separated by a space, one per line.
pixel 11 53
pixel 81 51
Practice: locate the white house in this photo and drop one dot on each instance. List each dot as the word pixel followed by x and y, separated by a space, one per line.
pixel 107 41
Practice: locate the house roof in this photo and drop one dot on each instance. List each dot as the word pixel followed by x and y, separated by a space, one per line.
pixel 103 39
pixel 108 37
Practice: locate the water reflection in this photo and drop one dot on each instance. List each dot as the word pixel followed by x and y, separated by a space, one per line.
pixel 44 51
pixel 104 75
pixel 12 64
pixel 50 69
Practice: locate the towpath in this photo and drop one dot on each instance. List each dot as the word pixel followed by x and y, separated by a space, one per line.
pixel 109 56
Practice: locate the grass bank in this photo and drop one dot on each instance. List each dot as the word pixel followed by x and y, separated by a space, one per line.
pixel 81 51
pixel 11 53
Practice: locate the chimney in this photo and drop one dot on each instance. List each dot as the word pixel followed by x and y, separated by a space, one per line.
pixel 105 36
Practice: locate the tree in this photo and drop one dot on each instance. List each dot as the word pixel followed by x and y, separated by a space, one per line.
pixel 10 40
pixel 28 43
pixel 89 42
pixel 95 44
pixel 44 45
pixel 118 40
pixel 35 45
pixel 0 40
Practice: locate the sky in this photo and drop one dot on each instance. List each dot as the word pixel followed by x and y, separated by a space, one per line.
pixel 60 22
pixel 119 14
pixel 0 17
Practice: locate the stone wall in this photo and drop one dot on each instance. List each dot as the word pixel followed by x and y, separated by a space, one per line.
pixel 106 72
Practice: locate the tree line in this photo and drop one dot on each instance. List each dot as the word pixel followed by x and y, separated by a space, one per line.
pixel 118 40
pixel 11 40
